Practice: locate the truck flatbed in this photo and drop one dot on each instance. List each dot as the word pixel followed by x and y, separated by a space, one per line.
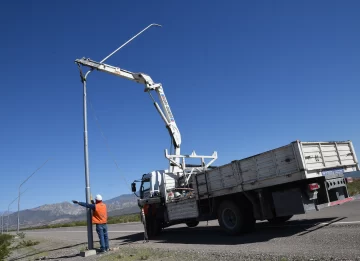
pixel 295 161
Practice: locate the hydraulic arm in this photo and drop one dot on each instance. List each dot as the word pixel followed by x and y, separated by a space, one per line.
pixel 142 78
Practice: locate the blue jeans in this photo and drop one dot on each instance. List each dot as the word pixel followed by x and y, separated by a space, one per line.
pixel 102 232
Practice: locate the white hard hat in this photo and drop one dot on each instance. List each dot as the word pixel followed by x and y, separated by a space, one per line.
pixel 98 197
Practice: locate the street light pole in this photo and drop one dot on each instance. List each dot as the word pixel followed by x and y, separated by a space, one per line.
pixel 86 151
pixel 86 159
pixel 8 212
pixel 2 223
pixel 18 214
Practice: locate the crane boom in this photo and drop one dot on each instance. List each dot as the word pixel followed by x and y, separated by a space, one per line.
pixel 150 85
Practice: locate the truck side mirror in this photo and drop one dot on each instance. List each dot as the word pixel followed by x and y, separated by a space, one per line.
pixel 133 187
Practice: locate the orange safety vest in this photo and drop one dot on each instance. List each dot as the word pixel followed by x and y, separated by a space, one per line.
pixel 99 214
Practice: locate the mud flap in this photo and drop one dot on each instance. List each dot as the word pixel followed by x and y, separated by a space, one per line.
pixel 143 220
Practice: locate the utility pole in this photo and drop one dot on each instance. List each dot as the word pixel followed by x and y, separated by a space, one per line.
pixel 86 151
pixel 18 212
pixel 8 212
pixel 2 223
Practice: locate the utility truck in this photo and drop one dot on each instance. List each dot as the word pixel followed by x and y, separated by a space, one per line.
pixel 274 185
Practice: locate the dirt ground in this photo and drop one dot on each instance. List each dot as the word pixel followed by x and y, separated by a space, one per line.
pixel 50 249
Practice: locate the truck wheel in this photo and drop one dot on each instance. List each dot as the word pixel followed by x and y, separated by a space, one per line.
pixel 279 220
pixel 230 218
pixel 192 224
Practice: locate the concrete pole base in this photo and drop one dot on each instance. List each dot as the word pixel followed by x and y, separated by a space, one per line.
pixel 88 253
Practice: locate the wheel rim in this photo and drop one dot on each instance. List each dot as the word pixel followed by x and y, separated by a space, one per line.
pixel 229 218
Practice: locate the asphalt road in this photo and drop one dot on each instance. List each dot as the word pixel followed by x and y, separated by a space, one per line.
pixel 331 232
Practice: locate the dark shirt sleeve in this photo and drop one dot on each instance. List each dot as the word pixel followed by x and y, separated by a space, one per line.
pixel 92 206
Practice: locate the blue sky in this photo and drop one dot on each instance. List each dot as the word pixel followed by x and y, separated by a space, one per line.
pixel 241 77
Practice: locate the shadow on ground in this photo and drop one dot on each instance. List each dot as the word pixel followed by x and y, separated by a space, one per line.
pixel 215 236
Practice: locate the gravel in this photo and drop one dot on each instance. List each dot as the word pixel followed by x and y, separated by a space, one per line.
pixel 50 249
pixel 307 237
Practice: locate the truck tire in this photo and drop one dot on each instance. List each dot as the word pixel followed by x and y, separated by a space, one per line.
pixel 192 223
pixel 231 219
pixel 279 220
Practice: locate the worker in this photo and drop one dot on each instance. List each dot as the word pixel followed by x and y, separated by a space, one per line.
pixel 99 217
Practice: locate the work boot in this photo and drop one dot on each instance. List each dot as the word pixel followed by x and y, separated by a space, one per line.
pixel 101 251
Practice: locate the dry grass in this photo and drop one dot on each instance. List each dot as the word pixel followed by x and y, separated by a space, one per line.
pixel 133 254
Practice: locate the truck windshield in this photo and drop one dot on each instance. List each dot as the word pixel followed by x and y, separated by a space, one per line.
pixel 145 188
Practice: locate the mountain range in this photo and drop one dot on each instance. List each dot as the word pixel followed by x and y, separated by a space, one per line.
pixel 67 211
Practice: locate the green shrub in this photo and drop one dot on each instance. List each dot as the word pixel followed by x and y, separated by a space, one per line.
pixel 26 243
pixel 5 242
pixel 21 235
pixel 354 187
